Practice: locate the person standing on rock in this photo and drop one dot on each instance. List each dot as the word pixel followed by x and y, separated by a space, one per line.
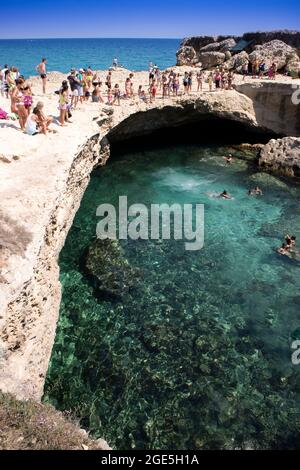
pixel 245 68
pixel 262 67
pixel 190 82
pixel 273 70
pixel 199 80
pixel 41 68
pixel 230 78
pixel 185 83
pixel 218 79
pixel 116 95
pixel 210 81
pixel 74 85
pixel 255 68
pixel 131 85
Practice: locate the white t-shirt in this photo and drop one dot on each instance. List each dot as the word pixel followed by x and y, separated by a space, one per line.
pixel 3 74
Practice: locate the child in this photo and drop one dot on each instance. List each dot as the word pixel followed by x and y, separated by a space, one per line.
pixel 142 94
pixel 116 95
pixel 153 91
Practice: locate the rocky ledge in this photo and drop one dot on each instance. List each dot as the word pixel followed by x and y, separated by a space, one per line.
pixel 281 156
pixel 42 183
pixel 280 47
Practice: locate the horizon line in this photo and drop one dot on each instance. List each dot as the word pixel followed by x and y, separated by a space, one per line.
pixel 88 37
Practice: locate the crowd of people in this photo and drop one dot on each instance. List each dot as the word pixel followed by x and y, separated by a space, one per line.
pixel 15 87
pixel 258 69
pixel 85 85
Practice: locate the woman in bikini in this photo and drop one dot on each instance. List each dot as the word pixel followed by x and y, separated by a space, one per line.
pixel 199 80
pixel 153 91
pixel 18 104
pixel 89 77
pixel 63 104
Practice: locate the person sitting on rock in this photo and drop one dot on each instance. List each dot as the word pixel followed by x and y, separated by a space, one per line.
pixel 224 195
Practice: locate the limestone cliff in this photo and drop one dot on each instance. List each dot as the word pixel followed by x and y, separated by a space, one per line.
pixel 41 192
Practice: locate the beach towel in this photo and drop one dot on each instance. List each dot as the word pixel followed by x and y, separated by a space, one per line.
pixel 3 114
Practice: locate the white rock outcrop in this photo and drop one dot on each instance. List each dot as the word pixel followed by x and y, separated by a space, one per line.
pixel 276 51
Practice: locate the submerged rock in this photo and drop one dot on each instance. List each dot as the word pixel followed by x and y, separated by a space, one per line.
pixel 268 180
pixel 110 270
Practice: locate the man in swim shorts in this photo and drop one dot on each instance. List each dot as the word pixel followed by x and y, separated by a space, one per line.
pixel 41 68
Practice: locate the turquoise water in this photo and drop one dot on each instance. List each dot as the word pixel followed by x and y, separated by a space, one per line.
pixel 198 354
pixel 98 53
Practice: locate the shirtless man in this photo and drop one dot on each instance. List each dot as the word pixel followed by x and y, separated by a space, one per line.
pixel 41 68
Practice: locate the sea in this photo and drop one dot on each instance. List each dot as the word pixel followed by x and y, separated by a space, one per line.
pixel 98 53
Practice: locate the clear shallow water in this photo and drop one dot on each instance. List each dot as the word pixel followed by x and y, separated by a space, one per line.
pixel 62 54
pixel 198 354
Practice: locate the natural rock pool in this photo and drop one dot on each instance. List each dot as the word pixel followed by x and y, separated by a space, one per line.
pixel 197 352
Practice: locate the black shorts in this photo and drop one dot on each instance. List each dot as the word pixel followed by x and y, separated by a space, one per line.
pixel 43 75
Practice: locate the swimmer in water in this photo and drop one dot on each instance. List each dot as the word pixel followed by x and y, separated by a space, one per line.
pixel 228 158
pixel 255 192
pixel 283 250
pixel 224 195
pixel 290 241
pixel 286 247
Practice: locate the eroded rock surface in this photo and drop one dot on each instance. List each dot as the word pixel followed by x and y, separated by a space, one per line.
pixel 282 156
pixel 211 59
pixel 276 52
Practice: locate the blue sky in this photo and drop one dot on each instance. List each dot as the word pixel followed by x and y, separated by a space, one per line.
pixel 133 18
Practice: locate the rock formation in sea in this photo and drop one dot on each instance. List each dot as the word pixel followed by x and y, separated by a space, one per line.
pixel 281 47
